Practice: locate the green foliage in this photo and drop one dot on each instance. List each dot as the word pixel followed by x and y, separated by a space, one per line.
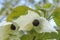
pixel 27 37
pixel 21 10
pixel 2 10
pixel 33 35
pixel 37 7
pixel 0 13
pixel 47 5
pixel 31 1
pixel 46 8
pixel 56 16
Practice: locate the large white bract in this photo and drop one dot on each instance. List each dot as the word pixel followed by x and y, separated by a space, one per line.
pixel 25 22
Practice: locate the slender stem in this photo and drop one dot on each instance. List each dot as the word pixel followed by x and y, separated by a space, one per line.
pixel 34 37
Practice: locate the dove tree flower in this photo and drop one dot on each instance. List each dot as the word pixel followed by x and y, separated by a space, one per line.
pixel 9 31
pixel 33 21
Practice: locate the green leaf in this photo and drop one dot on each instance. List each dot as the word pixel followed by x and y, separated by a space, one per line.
pixel 37 7
pixel 31 1
pixel 45 36
pixel 3 9
pixel 27 37
pixel 58 36
pixel 18 11
pixel 47 5
pixel 0 13
pixel 56 16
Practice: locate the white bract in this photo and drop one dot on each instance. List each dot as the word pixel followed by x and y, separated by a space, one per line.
pixel 9 31
pixel 28 22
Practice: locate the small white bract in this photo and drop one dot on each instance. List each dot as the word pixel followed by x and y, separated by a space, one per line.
pixel 9 31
